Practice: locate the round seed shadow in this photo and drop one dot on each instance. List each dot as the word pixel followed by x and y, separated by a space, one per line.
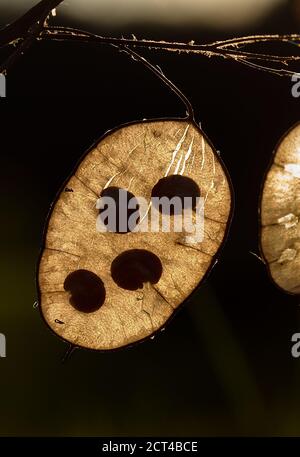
pixel 175 186
pixel 131 269
pixel 86 289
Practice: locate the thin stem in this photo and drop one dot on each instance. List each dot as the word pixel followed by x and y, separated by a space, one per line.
pixel 69 352
pixel 277 72
pixel 158 72
pixel 258 38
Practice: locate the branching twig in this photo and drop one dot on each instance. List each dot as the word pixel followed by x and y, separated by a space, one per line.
pixel 32 26
pixel 218 48
pixel 20 27
pixel 26 29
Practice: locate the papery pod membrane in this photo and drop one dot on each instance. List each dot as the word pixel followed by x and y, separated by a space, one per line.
pixel 81 298
pixel 280 212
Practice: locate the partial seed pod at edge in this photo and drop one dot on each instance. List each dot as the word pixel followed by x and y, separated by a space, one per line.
pixel 280 212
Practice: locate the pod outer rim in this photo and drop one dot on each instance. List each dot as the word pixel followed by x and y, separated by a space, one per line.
pixel 262 187
pixel 214 260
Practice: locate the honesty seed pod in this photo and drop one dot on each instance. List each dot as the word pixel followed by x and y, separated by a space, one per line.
pixel 106 285
pixel 280 212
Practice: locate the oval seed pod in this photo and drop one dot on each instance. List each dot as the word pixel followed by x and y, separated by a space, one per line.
pixel 108 282
pixel 104 290
pixel 280 212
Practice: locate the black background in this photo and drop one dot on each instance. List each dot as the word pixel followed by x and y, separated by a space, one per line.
pixel 223 366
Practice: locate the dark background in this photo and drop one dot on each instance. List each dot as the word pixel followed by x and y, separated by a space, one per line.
pixel 223 366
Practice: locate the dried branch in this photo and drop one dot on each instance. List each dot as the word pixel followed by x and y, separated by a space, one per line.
pixel 33 26
pixel 21 26
pixel 23 32
pixel 218 48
